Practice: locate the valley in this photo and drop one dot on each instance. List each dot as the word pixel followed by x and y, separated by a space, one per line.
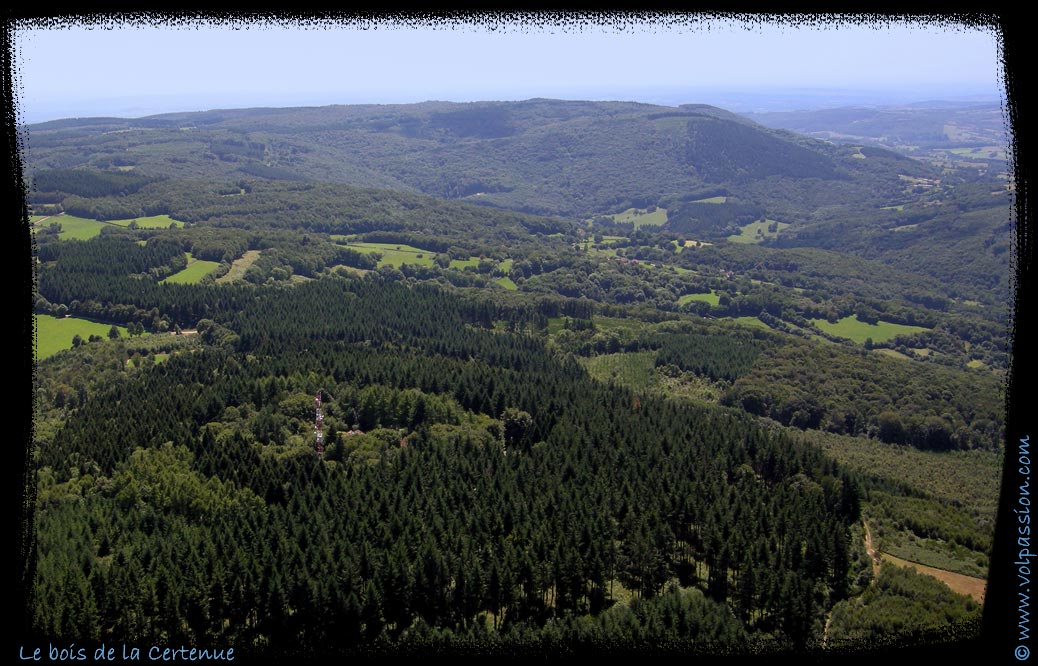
pixel 586 371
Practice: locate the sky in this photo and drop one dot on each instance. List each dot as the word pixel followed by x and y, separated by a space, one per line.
pixel 133 70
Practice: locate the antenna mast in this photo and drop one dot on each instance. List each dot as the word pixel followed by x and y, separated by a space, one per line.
pixel 318 426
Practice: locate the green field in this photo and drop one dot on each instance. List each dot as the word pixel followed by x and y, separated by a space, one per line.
pixel 507 283
pixel 462 263
pixel 689 243
pixel 984 153
pixel 54 335
pixel 77 228
pixel 711 298
pixel 396 255
pixel 195 271
pixel 641 217
pixel 716 200
pixel 601 248
pixel 849 327
pixel 152 222
pixel 750 321
pixel 755 232
pixel 893 353
pixel 81 228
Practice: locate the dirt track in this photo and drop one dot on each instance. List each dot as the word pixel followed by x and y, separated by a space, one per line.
pixel 873 553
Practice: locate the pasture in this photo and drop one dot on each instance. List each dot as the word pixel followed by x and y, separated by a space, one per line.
pixel 984 152
pixel 150 222
pixel 81 228
pixel 395 255
pixel 711 298
pixel 849 327
pixel 462 263
pixel 72 227
pixel 693 243
pixel 750 321
pixel 755 232
pixel 195 271
pixel 893 353
pixel 54 335
pixel 642 217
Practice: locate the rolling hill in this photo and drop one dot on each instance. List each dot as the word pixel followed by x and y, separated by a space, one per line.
pixel 538 156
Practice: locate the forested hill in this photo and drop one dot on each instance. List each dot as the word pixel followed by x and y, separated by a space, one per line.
pixel 540 156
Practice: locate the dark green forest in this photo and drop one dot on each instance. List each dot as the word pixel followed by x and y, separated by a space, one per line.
pixel 640 492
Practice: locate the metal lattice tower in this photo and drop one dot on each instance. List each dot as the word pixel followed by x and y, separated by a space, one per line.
pixel 318 426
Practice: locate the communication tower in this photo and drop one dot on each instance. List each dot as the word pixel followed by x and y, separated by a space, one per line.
pixel 318 426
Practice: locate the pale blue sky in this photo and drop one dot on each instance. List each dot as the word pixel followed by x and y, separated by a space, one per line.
pixel 130 70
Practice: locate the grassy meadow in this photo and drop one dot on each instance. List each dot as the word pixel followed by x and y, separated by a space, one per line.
pixel 54 335
pixel 849 327
pixel 195 271
pixel 755 232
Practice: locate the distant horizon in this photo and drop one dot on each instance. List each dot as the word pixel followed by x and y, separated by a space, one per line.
pixel 134 108
pixel 126 70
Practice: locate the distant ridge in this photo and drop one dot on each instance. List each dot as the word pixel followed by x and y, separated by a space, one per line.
pixel 570 158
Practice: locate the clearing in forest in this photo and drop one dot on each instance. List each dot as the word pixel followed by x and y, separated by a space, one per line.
pixel 960 583
pixel 852 328
pixel 507 283
pixel 240 265
pixel 72 227
pixel 756 232
pixel 712 298
pixel 195 271
pixel 642 217
pixel 149 222
pixel 398 254
pixel 54 334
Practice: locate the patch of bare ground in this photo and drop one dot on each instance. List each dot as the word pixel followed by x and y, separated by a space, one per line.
pixel 960 583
